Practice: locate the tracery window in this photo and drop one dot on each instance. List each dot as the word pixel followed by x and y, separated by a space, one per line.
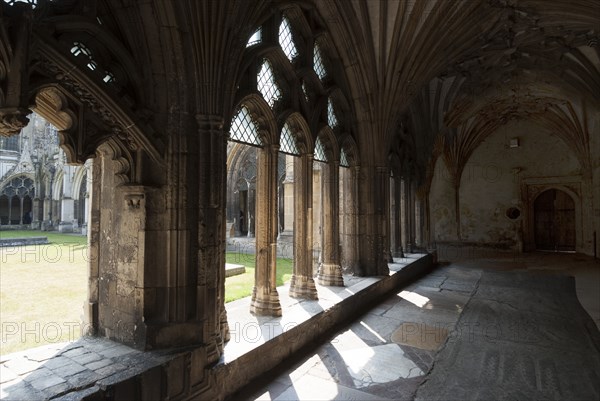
pixel 287 142
pixel 320 151
pixel 318 64
pixel 286 41
pixel 79 49
pixel 331 117
pixel 344 158
pixel 266 83
pixel 244 129
pixel 255 38
pixel 20 187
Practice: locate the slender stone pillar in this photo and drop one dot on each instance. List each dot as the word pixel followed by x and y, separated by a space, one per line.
pixel 90 307
pixel 418 222
pixel 302 284
pixel 413 214
pixel 250 211
pixel 330 271
pixel 211 233
pixel 374 182
pixel 37 211
pixel 350 259
pixel 21 211
pixel 386 224
pixel 265 299
pixel 287 235
pixel 405 206
pixel 397 246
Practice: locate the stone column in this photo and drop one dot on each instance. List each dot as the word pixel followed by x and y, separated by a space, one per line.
pixel 66 215
pixel 86 213
pixel 251 210
pixel 37 211
pixel 330 271
pixel 397 227
pixel 211 234
pixel 10 206
pixel 404 213
pixel 386 223
pixel 411 215
pixel 21 211
pixel 265 299
pixel 287 235
pixel 90 307
pixel 302 284
pixel 350 260
pixel 47 204
pixel 419 222
pixel 372 221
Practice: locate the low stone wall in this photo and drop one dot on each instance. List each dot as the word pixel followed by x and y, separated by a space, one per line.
pixel 4 242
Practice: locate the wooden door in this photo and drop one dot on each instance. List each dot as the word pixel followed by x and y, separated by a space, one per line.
pixel 554 215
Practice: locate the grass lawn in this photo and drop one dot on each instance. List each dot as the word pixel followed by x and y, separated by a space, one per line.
pixel 43 288
pixel 240 286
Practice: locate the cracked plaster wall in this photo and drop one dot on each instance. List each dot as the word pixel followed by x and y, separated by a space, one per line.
pixel 490 185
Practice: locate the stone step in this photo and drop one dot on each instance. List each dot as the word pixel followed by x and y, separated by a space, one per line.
pixel 4 242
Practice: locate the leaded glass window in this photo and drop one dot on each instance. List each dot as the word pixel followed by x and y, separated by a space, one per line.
pixel 81 50
pixel 244 129
pixel 344 159
pixel 319 66
pixel 109 77
pixel 287 142
pixel 286 41
pixel 12 2
pixel 267 85
pixel 255 38
pixel 320 154
pixel 331 117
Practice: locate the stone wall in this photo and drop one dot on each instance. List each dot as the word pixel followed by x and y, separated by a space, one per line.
pixel 496 178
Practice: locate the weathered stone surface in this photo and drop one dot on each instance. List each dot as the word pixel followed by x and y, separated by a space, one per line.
pixel 519 345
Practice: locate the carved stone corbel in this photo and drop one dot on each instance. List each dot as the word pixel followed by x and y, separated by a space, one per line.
pixel 13 120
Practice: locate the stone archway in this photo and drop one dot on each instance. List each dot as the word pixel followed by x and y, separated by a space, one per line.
pixel 554 221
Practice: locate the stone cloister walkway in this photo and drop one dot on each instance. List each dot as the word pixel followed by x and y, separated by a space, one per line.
pixel 97 368
pixel 487 326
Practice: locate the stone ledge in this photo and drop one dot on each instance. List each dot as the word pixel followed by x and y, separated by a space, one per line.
pixel 100 369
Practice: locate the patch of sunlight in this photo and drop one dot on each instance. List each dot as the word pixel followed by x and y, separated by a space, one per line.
pixel 348 340
pixel 380 364
pixel 366 326
pixel 414 298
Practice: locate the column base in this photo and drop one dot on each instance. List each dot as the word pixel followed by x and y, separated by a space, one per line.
pixel 265 304
pixel 303 287
pixel 330 275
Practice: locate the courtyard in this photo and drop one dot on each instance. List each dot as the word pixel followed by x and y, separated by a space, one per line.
pixel 43 288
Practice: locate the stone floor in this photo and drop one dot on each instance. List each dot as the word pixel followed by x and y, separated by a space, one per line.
pixel 486 326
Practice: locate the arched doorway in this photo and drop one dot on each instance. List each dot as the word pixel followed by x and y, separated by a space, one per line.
pixel 554 216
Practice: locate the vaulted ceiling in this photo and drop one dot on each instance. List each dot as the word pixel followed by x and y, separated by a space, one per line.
pixel 461 68
pixel 424 76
